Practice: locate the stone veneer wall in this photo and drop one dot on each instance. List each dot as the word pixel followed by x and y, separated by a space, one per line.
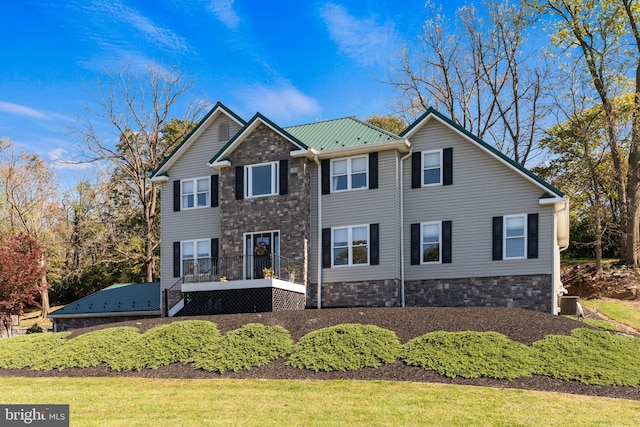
pixel 290 213
pixel 67 324
pixel 531 292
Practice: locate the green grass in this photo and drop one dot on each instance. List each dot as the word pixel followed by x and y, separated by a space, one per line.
pixel 620 311
pixel 116 402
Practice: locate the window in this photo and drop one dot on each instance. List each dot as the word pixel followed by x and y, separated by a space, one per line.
pixel 196 257
pixel 431 168
pixel 349 174
pixel 515 236
pixel 350 245
pixel 430 242
pixel 195 193
pixel 261 180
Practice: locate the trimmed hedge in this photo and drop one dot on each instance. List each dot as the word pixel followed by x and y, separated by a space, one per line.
pixel 20 352
pixel 345 347
pixel 91 349
pixel 470 355
pixel 591 357
pixel 252 345
pixel 166 344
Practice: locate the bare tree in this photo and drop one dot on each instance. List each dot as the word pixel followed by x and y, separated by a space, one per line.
pixel 136 108
pixel 482 73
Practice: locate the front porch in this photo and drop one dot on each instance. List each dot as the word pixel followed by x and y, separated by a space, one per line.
pixel 241 284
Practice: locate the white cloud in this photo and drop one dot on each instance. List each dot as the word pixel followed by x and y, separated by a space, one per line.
pixel 362 39
pixel 21 110
pixel 281 102
pixel 60 159
pixel 223 11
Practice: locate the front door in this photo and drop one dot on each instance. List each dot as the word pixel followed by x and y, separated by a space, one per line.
pixel 262 252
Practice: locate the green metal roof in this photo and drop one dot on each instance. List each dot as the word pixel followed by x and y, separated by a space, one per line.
pixel 119 298
pixel 339 133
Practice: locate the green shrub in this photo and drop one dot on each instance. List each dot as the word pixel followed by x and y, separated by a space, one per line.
pixel 470 355
pixel 34 329
pixel 345 347
pixel 250 346
pixel 167 344
pixel 21 352
pixel 90 349
pixel 591 357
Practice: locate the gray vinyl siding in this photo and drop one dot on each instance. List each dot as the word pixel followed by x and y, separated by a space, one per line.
pixel 483 187
pixel 189 224
pixel 361 207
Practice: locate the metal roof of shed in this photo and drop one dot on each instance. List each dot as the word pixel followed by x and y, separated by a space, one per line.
pixel 143 298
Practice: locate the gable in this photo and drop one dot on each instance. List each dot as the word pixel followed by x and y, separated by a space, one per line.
pixel 208 129
pixel 415 130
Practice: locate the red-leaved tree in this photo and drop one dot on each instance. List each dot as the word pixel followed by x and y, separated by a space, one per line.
pixel 20 270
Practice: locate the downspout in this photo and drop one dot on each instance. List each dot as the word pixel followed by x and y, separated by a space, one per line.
pixel 557 285
pixel 319 250
pixel 401 201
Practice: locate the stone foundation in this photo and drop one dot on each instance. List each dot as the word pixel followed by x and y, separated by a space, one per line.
pixel 67 324
pixel 530 292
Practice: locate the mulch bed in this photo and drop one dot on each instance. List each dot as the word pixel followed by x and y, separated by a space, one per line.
pixel 524 326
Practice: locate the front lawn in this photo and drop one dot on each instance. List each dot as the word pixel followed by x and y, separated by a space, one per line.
pixel 178 402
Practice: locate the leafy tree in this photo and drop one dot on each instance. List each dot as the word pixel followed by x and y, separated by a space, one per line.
pixel 21 268
pixel 389 122
pixel 603 38
pixel 28 187
pixel 137 107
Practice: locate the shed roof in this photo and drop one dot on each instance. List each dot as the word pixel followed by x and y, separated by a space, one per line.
pixel 340 133
pixel 140 298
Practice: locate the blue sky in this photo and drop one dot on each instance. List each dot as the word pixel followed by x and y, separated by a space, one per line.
pixel 294 61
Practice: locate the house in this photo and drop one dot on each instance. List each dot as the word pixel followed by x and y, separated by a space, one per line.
pixel 340 213
pixel 116 303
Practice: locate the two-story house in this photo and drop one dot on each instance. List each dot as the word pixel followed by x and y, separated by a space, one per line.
pixel 340 213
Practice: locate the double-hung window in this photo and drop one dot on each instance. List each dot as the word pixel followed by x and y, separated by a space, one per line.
pixel 349 174
pixel 196 256
pixel 261 180
pixel 195 193
pixel 350 245
pixel 515 236
pixel 430 238
pixel 431 168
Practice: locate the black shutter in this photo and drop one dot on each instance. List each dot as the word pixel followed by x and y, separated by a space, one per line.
pixel 532 235
pixel 374 235
pixel 283 170
pixel 176 259
pixel 447 166
pixel 497 238
pixel 446 242
pixel 215 254
pixel 176 196
pixel 326 248
pixel 415 244
pixel 239 182
pixel 325 166
pixel 215 197
pixel 373 170
pixel 416 170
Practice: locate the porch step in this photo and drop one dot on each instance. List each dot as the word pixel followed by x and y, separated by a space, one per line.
pixel 176 308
